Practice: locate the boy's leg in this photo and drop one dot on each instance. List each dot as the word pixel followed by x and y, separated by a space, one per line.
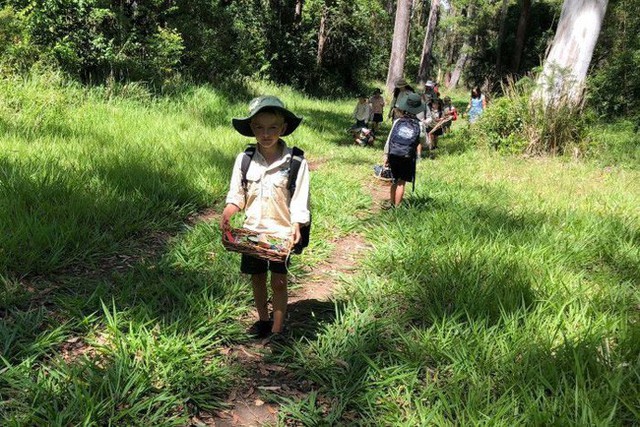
pixel 279 300
pixel 392 195
pixel 397 192
pixel 260 295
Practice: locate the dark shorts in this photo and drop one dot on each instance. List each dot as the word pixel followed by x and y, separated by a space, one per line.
pixel 253 265
pixel 377 117
pixel 402 168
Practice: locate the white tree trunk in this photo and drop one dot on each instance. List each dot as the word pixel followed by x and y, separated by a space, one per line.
pixel 460 64
pixel 399 44
pixel 565 68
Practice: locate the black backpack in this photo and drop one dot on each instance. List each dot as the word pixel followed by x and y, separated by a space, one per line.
pixel 405 137
pixel 294 166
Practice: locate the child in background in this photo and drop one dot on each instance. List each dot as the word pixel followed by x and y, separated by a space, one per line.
pixel 430 92
pixel 477 104
pixel 268 205
pixel 403 142
pixel 433 117
pixel 401 91
pixel 362 112
pixel 449 111
pixel 377 107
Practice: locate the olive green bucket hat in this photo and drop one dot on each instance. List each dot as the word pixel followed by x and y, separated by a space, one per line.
pixel 411 103
pixel 266 104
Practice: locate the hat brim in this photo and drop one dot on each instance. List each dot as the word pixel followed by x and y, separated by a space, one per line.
pixel 243 125
pixel 403 105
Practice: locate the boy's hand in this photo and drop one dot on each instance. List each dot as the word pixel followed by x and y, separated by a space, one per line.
pixel 296 236
pixel 227 213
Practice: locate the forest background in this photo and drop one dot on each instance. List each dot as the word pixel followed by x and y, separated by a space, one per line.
pixel 512 297
pixel 323 47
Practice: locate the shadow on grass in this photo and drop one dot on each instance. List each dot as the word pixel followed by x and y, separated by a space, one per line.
pixel 307 317
pixel 470 257
pixel 52 218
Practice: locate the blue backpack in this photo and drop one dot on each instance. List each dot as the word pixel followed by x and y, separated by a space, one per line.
pixel 405 137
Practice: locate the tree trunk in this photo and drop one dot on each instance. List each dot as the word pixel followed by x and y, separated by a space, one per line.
pixel 400 42
pixel 460 63
pixel 297 14
pixel 565 68
pixel 464 53
pixel 503 18
pixel 323 32
pixel 523 22
pixel 427 46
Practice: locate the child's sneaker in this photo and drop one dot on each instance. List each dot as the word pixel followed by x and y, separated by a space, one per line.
pixel 260 329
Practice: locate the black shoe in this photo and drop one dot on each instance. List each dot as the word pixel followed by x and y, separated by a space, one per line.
pixel 260 329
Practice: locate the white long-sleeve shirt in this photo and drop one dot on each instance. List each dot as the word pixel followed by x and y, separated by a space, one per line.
pixel 268 205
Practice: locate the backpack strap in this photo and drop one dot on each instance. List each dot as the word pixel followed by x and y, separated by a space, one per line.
pixel 294 166
pixel 244 166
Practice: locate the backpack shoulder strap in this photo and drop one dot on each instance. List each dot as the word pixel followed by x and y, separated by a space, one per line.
pixel 294 166
pixel 244 166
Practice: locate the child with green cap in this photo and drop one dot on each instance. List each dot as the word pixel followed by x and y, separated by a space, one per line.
pixel 269 205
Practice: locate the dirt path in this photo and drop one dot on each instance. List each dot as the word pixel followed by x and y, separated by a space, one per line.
pixel 249 403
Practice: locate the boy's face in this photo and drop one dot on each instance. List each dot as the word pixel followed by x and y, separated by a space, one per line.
pixel 267 127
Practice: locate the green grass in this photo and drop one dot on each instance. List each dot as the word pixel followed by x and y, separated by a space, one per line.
pixel 504 292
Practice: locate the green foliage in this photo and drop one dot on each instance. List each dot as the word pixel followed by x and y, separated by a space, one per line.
pixel 520 122
pixel 615 71
pixel 505 288
pixel 205 41
pixel 497 292
pixel 17 53
pixel 614 144
pixel 504 123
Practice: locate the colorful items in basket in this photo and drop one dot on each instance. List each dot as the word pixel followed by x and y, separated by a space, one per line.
pixel 263 241
pixel 256 244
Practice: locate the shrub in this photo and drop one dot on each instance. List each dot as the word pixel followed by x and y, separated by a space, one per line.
pixel 521 121
pixel 17 53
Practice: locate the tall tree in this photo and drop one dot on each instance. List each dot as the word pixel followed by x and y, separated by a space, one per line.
pixel 400 42
pixel 565 68
pixel 323 31
pixel 297 14
pixel 427 46
pixel 501 31
pixel 465 52
pixel 523 22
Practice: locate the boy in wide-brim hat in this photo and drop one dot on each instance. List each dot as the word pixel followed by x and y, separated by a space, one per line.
pixel 402 88
pixel 268 205
pixel 405 135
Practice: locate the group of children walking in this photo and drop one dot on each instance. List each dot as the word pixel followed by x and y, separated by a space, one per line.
pixel 261 180
pixel 417 120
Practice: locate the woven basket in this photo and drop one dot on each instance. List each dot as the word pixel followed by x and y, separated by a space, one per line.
pixel 382 173
pixel 242 244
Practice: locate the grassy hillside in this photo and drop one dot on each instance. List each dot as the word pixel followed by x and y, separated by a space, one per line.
pixel 505 290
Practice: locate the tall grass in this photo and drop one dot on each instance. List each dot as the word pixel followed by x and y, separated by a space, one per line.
pixel 521 121
pixel 505 291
